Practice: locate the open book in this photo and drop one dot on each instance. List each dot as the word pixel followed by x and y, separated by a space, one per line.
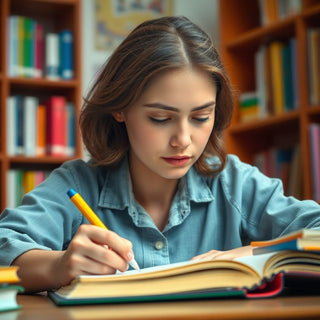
pixel 251 276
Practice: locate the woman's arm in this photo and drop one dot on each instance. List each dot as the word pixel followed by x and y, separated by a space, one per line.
pixel 87 254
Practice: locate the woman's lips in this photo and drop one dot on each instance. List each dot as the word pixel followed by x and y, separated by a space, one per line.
pixel 177 161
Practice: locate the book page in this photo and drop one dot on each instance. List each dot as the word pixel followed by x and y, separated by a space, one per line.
pixel 257 262
pixel 145 270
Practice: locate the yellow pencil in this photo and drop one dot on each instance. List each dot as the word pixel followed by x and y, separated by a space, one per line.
pixel 92 217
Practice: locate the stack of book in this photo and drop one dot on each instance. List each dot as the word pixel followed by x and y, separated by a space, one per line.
pixel 37 129
pixel 9 289
pixel 34 54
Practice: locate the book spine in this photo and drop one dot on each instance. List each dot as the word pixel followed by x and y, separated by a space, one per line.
pixel 19 125
pixel 11 126
pixel 41 130
pixel 66 54
pixel 21 36
pixel 70 124
pixel 28 180
pixel 12 189
pixel 314 133
pixel 28 51
pixel 52 56
pixel 38 51
pixel 287 77
pixel 13 46
pixel 277 76
pixel 56 126
pixel 30 119
pixel 21 182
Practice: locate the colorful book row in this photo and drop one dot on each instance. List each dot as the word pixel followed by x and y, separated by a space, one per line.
pixel 276 78
pixel 20 182
pixel 284 164
pixel 274 10
pixel 314 133
pixel 37 129
pixel 313 47
pixel 33 54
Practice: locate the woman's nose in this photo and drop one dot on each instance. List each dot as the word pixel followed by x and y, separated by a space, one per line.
pixel 181 138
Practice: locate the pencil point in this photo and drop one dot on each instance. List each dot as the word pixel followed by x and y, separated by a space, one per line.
pixel 133 263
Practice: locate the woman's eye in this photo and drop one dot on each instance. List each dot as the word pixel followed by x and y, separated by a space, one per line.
pixel 201 119
pixel 158 120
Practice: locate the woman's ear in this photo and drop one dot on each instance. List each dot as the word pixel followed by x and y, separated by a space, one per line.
pixel 119 116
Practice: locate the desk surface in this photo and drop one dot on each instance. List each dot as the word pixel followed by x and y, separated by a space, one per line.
pixel 36 307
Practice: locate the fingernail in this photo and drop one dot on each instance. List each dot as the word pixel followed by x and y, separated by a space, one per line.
pixel 130 256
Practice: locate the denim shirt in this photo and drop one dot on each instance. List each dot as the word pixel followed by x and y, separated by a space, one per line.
pixel 236 206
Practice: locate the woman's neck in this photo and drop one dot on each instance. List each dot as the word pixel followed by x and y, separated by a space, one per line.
pixel 154 193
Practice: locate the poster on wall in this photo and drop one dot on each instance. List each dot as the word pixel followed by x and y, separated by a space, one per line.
pixel 114 19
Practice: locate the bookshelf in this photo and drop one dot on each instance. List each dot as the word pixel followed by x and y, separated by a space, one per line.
pixel 242 33
pixel 54 16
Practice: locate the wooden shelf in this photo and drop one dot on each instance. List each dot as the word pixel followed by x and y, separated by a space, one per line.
pixel 54 15
pixel 241 36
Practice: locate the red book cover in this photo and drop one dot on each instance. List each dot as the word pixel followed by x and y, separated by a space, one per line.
pixel 56 126
pixel 38 51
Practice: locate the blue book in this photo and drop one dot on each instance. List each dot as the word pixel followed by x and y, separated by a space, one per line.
pixel 66 54
pixel 19 125
pixel 301 240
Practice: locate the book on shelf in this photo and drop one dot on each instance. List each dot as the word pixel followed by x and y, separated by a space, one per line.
pixel 314 134
pixel 20 181
pixel 66 54
pixel 313 51
pixel 276 48
pixel 12 34
pixel 38 49
pixel 273 10
pixel 28 47
pixel 276 77
pixel 30 50
pixel 31 126
pixel 9 288
pixel 285 164
pixel 70 132
pixel 260 275
pixel 56 126
pixel 41 130
pixel 250 108
pixel 301 240
pixel 52 56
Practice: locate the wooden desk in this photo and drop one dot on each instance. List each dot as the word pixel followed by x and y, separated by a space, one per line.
pixel 36 307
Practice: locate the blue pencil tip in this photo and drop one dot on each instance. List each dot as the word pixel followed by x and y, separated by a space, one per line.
pixel 71 193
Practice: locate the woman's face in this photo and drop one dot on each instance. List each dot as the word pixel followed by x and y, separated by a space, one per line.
pixel 169 126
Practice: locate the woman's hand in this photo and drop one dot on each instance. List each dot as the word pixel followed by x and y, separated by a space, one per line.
pixel 229 254
pixel 94 250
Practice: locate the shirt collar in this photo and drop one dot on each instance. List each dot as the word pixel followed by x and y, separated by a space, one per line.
pixel 117 189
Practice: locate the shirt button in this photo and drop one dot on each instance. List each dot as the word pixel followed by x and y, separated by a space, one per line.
pixel 159 245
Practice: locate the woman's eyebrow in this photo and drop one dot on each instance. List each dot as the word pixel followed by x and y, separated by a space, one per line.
pixel 174 109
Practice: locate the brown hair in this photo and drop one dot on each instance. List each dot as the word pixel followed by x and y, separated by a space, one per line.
pixel 154 46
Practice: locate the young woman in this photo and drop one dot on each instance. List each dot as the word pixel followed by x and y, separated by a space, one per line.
pixel 158 177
